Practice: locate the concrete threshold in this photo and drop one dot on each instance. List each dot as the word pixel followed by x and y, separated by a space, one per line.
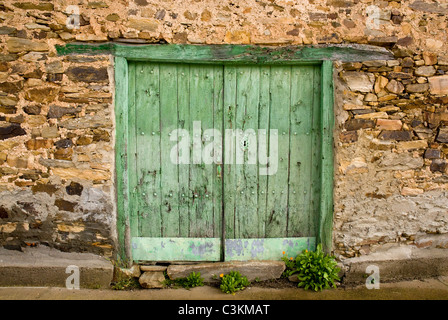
pixel 396 263
pixel 253 270
pixel 47 267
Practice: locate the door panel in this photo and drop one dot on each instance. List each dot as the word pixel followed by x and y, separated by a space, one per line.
pixel 200 137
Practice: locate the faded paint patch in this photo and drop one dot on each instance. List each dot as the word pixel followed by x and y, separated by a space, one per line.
pixel 266 249
pixel 201 249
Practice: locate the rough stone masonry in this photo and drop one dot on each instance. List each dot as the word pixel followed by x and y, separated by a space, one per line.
pixel 57 129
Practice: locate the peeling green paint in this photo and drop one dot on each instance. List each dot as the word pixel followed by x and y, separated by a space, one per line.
pixel 176 249
pixel 266 249
pixel 245 54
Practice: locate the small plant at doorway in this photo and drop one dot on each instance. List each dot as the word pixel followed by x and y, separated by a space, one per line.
pixel 315 270
pixel 126 284
pixel 193 280
pixel 233 282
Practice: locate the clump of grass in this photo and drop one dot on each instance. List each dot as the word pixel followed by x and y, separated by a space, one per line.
pixel 126 284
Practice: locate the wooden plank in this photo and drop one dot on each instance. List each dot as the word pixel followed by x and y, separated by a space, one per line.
pixel 246 169
pixel 176 249
pixel 266 248
pixel 263 144
pixel 201 175
pixel 184 123
pixel 169 187
pixel 326 203
pixel 121 156
pixel 218 121
pixel 132 153
pixel 148 149
pixel 279 120
pixel 317 152
pixel 229 151
pixel 220 54
pixel 301 149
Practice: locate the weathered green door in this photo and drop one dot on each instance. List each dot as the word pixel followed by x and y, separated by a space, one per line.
pixel 223 160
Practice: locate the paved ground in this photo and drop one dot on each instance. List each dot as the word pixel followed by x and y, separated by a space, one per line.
pixel 429 289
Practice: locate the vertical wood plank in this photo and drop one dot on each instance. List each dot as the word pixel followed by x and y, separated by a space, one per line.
pixel 263 152
pixel 132 152
pixel 201 175
pixel 185 123
pixel 278 182
pixel 316 151
pixel 169 188
pixel 229 150
pixel 148 145
pixel 246 174
pixel 301 149
pixel 218 120
pixel 121 156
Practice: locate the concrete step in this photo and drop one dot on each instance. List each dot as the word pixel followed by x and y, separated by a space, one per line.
pixel 46 267
pixel 397 263
pixel 253 270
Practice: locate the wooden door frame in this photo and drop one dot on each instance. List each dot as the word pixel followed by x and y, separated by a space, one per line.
pixel 226 54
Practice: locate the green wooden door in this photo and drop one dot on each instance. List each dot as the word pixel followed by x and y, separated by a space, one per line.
pixel 223 160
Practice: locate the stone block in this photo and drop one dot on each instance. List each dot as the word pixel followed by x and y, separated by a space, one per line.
pixel 143 24
pixel 359 81
pixel 36 144
pixel 126 273
pixel 417 87
pixel 96 121
pixel 412 145
pixel 32 6
pixel 425 71
pixel 372 115
pixel 87 74
pixel 438 85
pixel 442 136
pixel 438 165
pixel 239 36
pixel 17 45
pixel 433 154
pixel 152 280
pixel 74 188
pixel 84 174
pixel 400 75
pixel 356 124
pixel 65 205
pixel 348 136
pixel 386 124
pixel 395 135
pixel 12 87
pixel 9 130
pixel 262 270
pixel 395 87
pixel 42 95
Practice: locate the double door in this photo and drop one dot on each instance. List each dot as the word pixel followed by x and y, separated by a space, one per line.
pixel 223 160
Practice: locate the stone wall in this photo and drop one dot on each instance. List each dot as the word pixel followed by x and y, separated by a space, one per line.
pixel 57 112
